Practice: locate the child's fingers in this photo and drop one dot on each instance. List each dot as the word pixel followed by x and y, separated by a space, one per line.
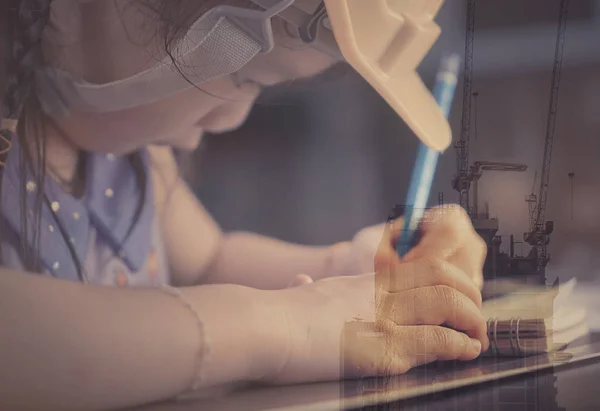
pixel 386 255
pixel 444 232
pixel 391 350
pixel 449 235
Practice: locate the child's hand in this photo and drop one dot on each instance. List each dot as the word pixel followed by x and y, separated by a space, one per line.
pixel 408 321
pixel 415 296
pixel 448 242
pixel 447 235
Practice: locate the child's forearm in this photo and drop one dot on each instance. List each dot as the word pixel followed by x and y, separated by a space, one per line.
pixel 268 264
pixel 69 346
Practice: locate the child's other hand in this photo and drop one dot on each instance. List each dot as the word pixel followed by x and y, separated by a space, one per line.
pixel 409 322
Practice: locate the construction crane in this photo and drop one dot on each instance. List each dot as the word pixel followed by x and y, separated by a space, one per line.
pixel 461 182
pixel 540 229
pixel 477 170
pixel 531 199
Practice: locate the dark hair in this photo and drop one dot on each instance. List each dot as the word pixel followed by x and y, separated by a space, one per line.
pixel 22 29
pixel 24 23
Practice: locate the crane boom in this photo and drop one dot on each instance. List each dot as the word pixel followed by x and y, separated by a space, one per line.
pixel 538 234
pixel 479 166
pixel 461 182
pixel 552 106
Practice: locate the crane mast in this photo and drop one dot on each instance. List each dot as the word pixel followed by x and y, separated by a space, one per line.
pixel 461 182
pixel 540 229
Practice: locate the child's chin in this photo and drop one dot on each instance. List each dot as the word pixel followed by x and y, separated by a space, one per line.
pixel 189 143
pixel 221 127
pixel 222 130
pixel 227 121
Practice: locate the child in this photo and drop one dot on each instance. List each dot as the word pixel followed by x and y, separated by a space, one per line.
pixel 140 296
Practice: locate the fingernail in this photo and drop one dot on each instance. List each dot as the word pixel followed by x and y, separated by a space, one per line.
pixel 476 344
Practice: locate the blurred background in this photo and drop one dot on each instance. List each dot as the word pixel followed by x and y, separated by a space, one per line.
pixel 317 162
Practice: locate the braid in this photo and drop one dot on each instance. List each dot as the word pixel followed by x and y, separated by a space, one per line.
pixel 26 22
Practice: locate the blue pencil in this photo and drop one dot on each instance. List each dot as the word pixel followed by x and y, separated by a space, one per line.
pixel 425 165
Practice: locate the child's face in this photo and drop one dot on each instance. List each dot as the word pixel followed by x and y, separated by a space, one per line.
pixel 104 41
